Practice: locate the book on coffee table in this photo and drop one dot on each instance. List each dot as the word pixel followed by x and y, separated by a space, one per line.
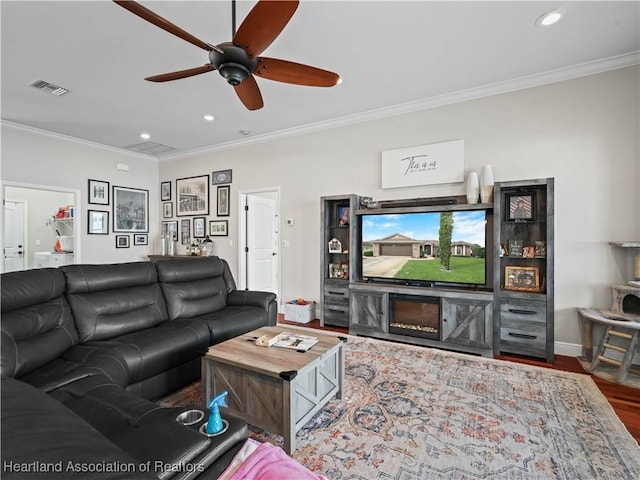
pixel 295 341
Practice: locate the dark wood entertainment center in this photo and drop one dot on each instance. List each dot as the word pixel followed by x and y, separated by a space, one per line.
pixel 499 316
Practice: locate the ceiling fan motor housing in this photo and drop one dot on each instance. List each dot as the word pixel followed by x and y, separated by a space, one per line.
pixel 234 63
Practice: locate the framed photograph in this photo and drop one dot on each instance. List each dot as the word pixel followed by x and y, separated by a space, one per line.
pixel 170 228
pixel 98 192
pixel 219 228
pixel 98 223
pixel 335 246
pixel 223 201
pixel 185 231
pixel 522 278
pixel 130 210
pixel 221 176
pixel 165 191
pixel 122 241
pixel 192 196
pixel 541 249
pixel 167 210
pixel 199 227
pixel 520 207
pixel 140 239
pixel 343 216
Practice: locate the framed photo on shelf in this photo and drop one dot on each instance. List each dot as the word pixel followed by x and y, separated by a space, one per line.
pixel 343 216
pixel 167 210
pixel 335 246
pixel 525 279
pixel 122 241
pixel 520 207
pixel 98 192
pixel 140 239
pixel 541 249
pixel 130 210
pixel 165 191
pixel 223 201
pixel 98 223
pixel 219 228
pixel 192 196
pixel 170 228
pixel 199 227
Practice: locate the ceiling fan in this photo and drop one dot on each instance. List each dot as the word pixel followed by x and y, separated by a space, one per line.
pixel 239 60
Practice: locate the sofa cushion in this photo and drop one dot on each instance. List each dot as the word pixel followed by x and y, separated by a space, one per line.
pixel 194 287
pixel 234 321
pixel 37 325
pixel 112 300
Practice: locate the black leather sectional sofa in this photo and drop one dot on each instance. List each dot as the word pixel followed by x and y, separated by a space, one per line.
pixel 85 351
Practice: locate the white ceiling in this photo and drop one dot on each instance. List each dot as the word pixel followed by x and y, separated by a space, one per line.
pixel 393 56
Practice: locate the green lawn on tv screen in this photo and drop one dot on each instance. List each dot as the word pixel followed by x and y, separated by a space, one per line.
pixel 462 270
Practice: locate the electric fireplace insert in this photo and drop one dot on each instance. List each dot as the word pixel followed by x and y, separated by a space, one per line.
pixel 415 316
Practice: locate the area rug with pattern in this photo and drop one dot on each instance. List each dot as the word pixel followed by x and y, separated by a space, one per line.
pixel 413 413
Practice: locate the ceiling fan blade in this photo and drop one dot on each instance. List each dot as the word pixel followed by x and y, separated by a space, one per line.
pixel 296 73
pixel 249 93
pixel 189 72
pixel 157 20
pixel 263 24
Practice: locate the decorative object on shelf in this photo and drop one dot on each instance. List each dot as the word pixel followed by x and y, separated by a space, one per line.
pixel 338 270
pixel 130 210
pixel 424 165
pixel 122 241
pixel 192 196
pixel 219 228
pixel 486 184
pixel 165 191
pixel 167 210
pixel 516 248
pixel 140 239
pixel 98 223
pixel 504 251
pixel 220 177
pixel 541 249
pixel 368 202
pixel 520 207
pixel 343 216
pixel 199 227
pixel 207 247
pixel 335 246
pixel 472 188
pixel 529 252
pixel 223 202
pixel 522 278
pixel 98 192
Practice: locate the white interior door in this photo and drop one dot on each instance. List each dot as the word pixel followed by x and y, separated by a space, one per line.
pixel 14 246
pixel 261 239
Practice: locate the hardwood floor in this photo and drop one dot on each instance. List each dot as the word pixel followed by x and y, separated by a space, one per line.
pixel 624 400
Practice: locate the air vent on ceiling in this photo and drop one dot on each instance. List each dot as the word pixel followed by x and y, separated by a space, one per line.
pixel 49 87
pixel 150 148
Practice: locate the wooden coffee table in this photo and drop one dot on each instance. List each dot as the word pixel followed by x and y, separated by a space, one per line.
pixel 276 389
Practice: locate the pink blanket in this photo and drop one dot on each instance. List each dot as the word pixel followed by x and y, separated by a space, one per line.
pixel 263 461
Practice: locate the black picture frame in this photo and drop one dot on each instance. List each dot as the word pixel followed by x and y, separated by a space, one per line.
pixel 520 207
pixel 185 231
pixel 122 241
pixel 192 196
pixel 140 239
pixel 199 227
pixel 98 192
pixel 167 210
pixel 165 191
pixel 218 228
pixel 130 210
pixel 97 222
pixel 221 177
pixel 170 228
pixel 222 204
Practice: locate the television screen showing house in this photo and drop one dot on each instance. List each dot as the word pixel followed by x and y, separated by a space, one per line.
pixel 431 247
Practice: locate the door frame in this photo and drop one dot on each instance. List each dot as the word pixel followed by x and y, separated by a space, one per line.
pixel 242 234
pixel 25 230
pixel 77 215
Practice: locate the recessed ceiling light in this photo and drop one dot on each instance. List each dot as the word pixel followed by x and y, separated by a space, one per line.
pixel 550 18
pixel 209 118
pixel 145 136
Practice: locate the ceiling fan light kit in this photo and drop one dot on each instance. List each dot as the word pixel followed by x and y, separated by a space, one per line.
pixel 237 61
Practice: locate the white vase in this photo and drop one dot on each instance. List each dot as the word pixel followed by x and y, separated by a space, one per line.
pixel 472 187
pixel 486 184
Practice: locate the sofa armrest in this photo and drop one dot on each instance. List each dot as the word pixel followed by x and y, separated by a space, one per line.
pixel 265 300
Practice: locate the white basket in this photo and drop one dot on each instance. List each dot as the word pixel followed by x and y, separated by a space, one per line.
pixel 299 313
pixel 66 242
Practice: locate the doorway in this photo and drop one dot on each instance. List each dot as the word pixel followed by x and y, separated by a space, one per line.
pixel 259 240
pixel 39 227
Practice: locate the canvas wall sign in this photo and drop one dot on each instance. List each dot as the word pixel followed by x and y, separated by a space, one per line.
pixel 423 165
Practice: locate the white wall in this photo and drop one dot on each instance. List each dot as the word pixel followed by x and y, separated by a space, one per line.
pixel 32 158
pixel 583 132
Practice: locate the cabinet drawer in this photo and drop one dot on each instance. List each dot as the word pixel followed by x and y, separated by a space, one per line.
pixel 523 311
pixel 336 314
pixel 523 337
pixel 335 294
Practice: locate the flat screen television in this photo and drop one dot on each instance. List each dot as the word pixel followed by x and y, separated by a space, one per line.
pixel 407 248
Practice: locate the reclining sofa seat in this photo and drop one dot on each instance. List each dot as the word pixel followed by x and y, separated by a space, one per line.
pixel 120 309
